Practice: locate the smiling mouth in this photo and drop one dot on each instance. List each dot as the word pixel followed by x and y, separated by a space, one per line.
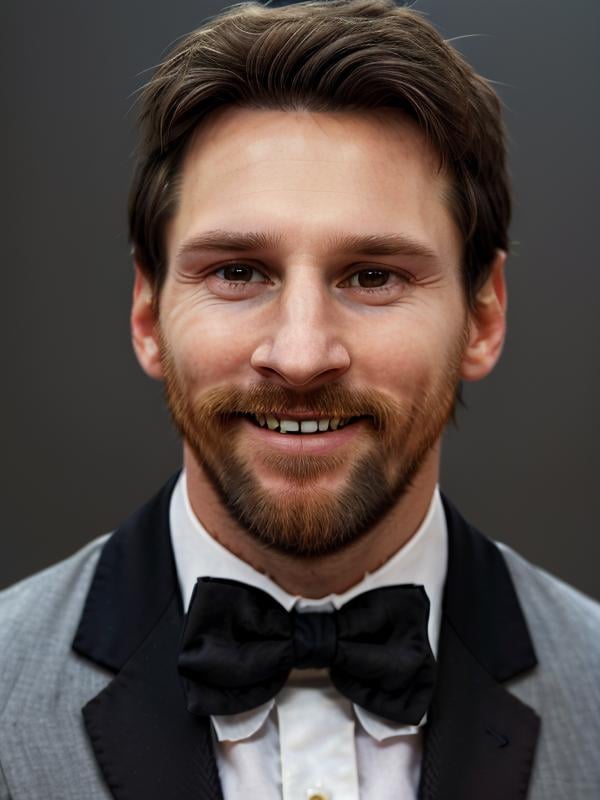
pixel 280 424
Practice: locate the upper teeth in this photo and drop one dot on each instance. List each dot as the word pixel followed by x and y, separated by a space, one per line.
pixel 300 426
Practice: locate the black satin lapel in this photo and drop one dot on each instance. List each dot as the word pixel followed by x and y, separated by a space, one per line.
pixel 481 602
pixel 148 745
pixel 480 740
pixel 133 584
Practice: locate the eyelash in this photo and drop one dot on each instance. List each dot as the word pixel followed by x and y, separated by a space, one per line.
pixel 236 285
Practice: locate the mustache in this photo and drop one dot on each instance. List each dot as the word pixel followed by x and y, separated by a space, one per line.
pixel 333 400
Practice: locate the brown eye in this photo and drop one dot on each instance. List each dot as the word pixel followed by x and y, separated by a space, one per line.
pixel 239 273
pixel 370 278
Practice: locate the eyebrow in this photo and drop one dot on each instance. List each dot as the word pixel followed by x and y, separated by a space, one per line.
pixel 381 244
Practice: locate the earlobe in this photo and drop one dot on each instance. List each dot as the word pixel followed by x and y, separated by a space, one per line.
pixel 487 324
pixel 144 326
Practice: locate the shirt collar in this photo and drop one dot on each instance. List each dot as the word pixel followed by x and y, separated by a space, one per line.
pixel 423 560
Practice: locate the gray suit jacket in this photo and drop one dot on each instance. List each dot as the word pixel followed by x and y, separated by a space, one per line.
pixel 99 632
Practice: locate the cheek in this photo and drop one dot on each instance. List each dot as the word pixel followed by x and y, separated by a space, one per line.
pixel 409 373
pixel 205 352
pixel 399 358
pixel 416 357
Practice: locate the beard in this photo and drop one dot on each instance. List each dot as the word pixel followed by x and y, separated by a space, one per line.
pixel 306 520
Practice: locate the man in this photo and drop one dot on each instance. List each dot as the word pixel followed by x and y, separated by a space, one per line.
pixel 319 225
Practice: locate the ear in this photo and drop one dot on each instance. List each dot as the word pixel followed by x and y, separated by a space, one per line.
pixel 144 326
pixel 487 324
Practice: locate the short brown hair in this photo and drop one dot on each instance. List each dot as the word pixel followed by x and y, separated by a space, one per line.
pixel 352 55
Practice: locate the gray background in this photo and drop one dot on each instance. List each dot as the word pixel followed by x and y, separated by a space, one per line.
pixel 85 438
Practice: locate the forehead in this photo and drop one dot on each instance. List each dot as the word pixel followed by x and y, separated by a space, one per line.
pixel 309 175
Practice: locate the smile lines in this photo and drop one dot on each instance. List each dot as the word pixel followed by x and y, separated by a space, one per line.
pixel 321 425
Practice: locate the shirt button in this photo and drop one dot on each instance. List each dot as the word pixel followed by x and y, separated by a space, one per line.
pixel 317 794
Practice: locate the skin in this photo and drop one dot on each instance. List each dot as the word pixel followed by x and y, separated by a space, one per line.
pixel 304 321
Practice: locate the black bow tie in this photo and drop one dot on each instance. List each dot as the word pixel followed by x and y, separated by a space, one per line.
pixel 239 645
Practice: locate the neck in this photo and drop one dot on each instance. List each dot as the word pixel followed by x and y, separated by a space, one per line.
pixel 331 574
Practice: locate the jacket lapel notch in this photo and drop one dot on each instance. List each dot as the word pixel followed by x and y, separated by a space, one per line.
pixel 148 745
pixel 480 740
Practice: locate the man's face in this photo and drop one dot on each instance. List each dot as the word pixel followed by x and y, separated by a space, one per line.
pixel 313 275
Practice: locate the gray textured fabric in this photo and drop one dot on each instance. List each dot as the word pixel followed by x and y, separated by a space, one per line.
pixel 565 689
pixel 3 786
pixel 44 751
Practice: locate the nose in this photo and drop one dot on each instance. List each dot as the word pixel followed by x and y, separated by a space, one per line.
pixel 302 347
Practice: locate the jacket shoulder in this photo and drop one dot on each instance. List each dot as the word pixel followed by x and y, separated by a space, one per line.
pixel 555 611
pixel 564 625
pixel 564 688
pixel 39 615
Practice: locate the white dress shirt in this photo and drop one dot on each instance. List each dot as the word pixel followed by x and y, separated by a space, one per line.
pixel 310 741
